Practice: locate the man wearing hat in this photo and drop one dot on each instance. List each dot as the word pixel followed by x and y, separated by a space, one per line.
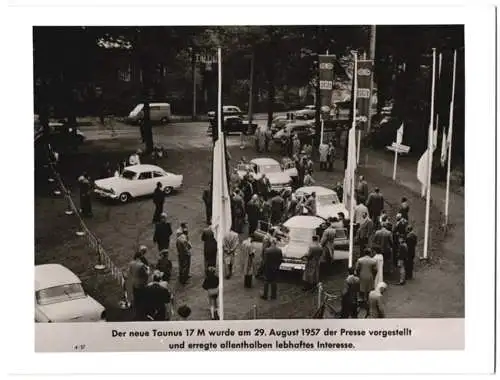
pixel 163 231
pixel 164 265
pixel 157 299
pixel 184 253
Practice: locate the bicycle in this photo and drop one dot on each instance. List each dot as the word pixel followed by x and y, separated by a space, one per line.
pixel 336 312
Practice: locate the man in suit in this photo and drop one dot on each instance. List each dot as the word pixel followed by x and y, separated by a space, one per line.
pixel 375 204
pixel 273 256
pixel 253 212
pixel 350 295
pixel 402 259
pixel 404 209
pixel 366 268
pixel 207 200
pixel 365 232
pixel 184 253
pixel 311 271
pixel 230 244
pixel 362 190
pixel 277 209
pixel 163 231
pixel 411 243
pixel 383 240
pixel 159 201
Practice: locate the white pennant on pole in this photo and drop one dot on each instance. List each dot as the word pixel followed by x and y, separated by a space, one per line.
pixel 450 134
pixel 430 150
pixel 444 148
pixel 399 141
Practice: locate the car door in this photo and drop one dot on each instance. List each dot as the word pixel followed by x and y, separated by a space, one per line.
pixel 162 178
pixel 145 183
pixel 154 113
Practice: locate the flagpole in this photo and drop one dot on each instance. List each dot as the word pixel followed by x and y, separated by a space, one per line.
pixel 430 147
pixel 395 164
pixel 450 136
pixel 322 120
pixel 220 136
pixel 351 211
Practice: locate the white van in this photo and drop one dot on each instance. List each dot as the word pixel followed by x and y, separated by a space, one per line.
pixel 159 112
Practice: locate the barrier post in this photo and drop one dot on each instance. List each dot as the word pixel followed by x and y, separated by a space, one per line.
pixel 124 303
pixel 320 294
pixel 254 309
pixel 100 265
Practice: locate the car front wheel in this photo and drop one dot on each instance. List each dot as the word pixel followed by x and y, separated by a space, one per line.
pixel 124 197
pixel 168 190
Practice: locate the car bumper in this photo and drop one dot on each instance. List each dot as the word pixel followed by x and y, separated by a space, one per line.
pixel 281 187
pixel 290 267
pixel 105 194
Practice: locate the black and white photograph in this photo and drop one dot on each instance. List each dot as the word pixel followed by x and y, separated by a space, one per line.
pixel 267 189
pixel 248 172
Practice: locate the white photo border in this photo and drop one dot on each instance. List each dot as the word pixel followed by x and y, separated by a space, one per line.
pixel 480 54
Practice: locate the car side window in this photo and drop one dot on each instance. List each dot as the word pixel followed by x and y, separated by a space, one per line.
pixel 154 108
pixel 145 175
pixel 255 168
pixel 158 174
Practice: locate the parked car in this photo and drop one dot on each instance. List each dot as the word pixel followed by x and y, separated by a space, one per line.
pixel 271 168
pixel 307 113
pixel 59 134
pixel 303 129
pixel 328 204
pixel 158 112
pixel 136 181
pixel 278 123
pixel 295 236
pixel 60 297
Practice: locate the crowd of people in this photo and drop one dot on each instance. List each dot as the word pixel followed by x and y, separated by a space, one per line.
pixel 383 247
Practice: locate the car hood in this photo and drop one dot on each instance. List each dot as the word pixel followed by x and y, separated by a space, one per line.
pixel 292 172
pixel 111 182
pixel 80 310
pixel 278 178
pixel 295 250
pixel 331 211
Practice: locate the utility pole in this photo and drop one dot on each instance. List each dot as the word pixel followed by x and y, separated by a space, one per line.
pixel 250 90
pixel 193 68
pixel 373 39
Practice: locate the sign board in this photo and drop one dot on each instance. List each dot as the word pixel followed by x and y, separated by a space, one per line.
pixel 364 76
pixel 326 64
pixel 399 148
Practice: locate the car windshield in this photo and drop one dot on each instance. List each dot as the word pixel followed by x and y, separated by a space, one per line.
pixel 303 235
pixel 61 293
pixel 327 199
pixel 128 174
pixel 244 167
pixel 273 168
pixel 137 109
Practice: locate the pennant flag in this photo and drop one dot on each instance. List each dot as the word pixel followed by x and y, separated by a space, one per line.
pixel 221 204
pixel 350 169
pixel 434 139
pixel 399 134
pixel 422 170
pixel 444 148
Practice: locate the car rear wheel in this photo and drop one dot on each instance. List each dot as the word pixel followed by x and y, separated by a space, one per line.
pixel 168 190
pixel 124 197
pixel 164 120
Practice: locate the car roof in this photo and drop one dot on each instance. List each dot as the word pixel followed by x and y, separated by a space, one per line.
pixel 230 106
pixel 264 161
pixel 50 275
pixel 301 221
pixel 143 168
pixel 319 190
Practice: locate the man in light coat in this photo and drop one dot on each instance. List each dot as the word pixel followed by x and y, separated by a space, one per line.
pixel 230 244
pixel 184 254
pixel 313 262
pixel 375 302
pixel 366 268
pixel 328 243
pixel 323 156
pixel 365 232
pixel 247 251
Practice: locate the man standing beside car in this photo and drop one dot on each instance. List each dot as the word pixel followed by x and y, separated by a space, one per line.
pixel 272 258
pixel 159 201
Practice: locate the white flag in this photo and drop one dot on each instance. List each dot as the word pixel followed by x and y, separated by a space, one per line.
pixel 399 135
pixel 434 139
pixel 350 169
pixel 221 203
pixel 444 148
pixel 422 170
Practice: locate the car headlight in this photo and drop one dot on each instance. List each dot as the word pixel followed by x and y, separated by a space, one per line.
pixel 112 191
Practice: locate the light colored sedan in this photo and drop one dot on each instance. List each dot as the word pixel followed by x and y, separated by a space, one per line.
pixel 59 297
pixel 257 167
pixel 137 181
pixel 328 204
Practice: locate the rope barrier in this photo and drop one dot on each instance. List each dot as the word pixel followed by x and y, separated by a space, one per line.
pixel 103 259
